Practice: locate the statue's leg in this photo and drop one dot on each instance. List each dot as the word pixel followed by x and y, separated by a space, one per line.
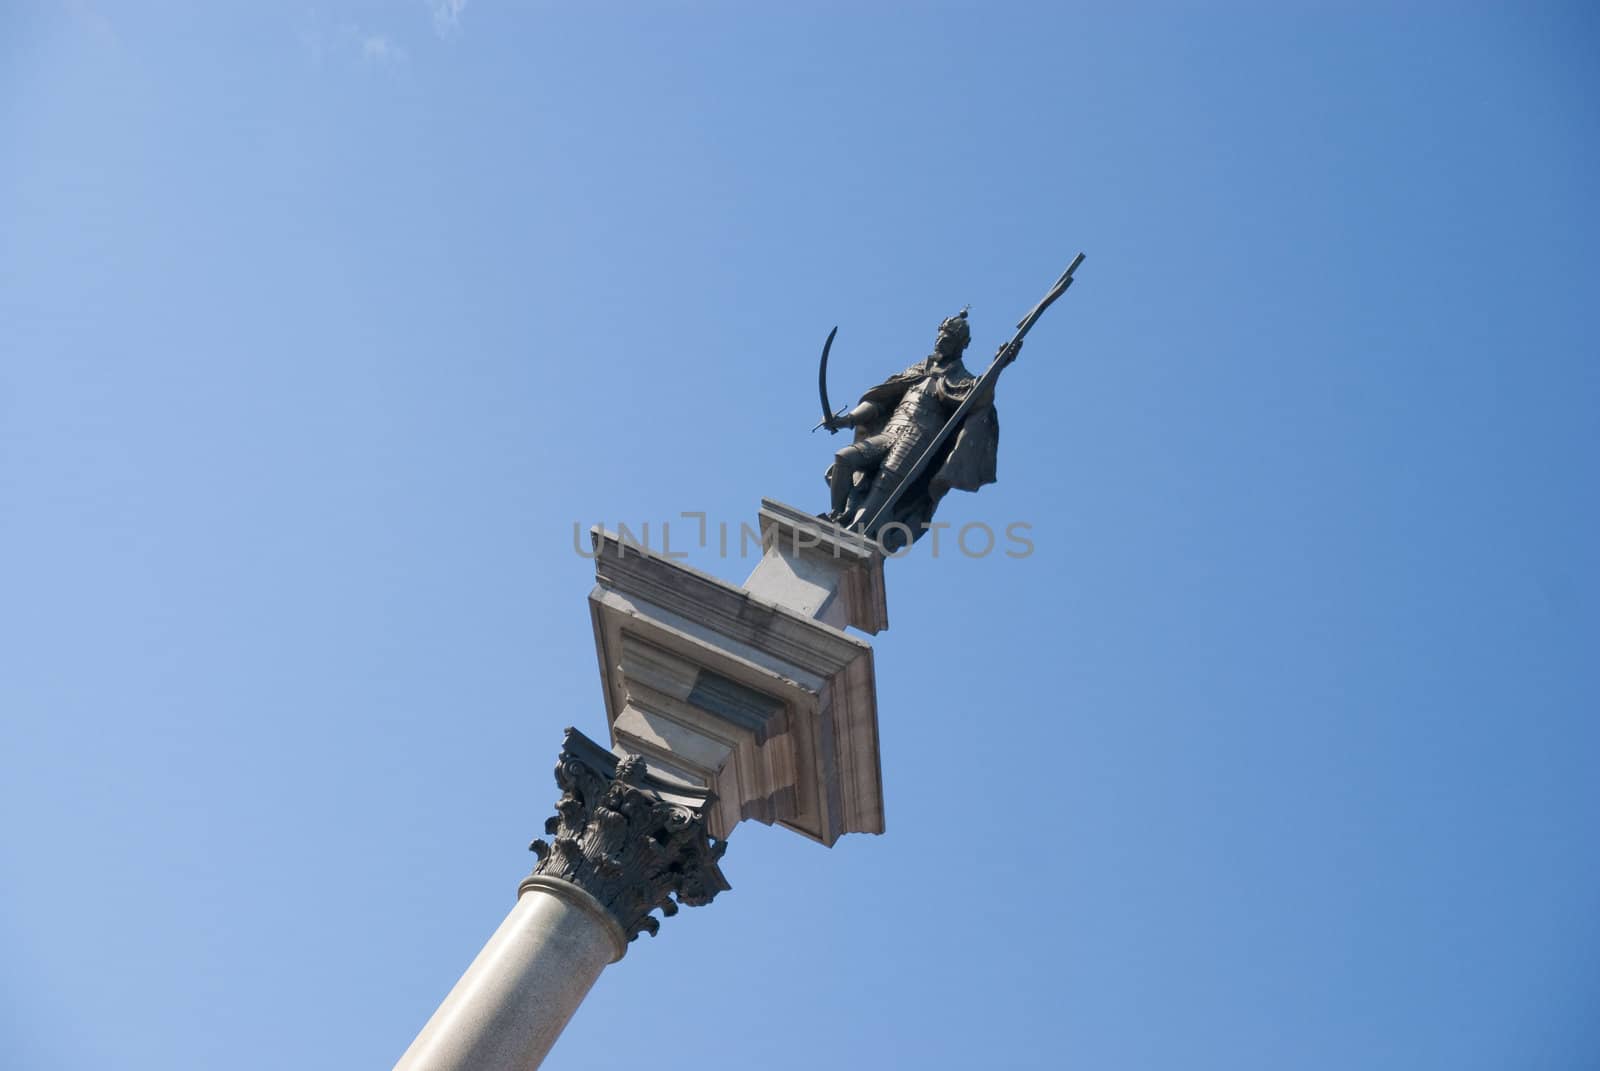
pixel 841 476
pixel 860 488
pixel 861 456
pixel 880 492
pixel 884 482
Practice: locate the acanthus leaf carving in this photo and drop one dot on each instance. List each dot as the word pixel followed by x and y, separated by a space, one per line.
pixel 634 843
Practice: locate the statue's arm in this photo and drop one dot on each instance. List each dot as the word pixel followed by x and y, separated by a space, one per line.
pixel 865 413
pixel 985 391
pixel 879 402
pixel 886 395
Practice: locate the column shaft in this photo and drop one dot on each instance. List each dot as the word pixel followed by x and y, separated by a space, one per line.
pixel 513 1001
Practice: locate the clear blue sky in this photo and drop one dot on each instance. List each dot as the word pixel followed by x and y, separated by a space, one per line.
pixel 322 324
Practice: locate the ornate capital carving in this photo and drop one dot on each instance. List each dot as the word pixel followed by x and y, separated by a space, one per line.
pixel 631 840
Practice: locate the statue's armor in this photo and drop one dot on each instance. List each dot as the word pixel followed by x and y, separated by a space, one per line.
pixel 917 418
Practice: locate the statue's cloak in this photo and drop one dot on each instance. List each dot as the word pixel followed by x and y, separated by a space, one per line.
pixel 967 459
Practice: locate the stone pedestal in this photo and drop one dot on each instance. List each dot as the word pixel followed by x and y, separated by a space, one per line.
pixel 819 570
pixel 754 694
pixel 724 703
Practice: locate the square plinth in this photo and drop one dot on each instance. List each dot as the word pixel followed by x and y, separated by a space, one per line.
pixel 819 569
pixel 771 709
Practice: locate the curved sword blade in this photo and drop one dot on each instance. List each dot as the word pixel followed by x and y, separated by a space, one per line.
pixel 822 382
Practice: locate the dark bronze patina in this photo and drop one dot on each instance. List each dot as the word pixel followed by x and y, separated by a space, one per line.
pixel 921 433
pixel 633 842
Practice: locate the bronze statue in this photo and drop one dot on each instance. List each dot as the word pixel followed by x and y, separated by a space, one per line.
pixel 895 421
pixel 921 433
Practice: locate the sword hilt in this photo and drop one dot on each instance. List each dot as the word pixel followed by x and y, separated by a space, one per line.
pixel 824 422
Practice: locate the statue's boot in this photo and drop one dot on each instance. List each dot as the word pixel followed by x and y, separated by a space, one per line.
pixel 841 482
pixel 882 487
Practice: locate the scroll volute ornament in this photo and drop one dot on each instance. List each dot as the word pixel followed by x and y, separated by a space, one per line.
pixel 618 839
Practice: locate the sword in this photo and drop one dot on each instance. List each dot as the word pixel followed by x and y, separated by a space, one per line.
pixel 984 387
pixel 828 415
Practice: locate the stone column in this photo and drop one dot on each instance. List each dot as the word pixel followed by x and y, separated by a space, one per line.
pixel 626 842
pixel 511 1005
pixel 747 702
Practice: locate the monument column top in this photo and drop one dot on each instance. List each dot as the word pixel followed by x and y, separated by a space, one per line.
pixel 819 569
pixel 770 707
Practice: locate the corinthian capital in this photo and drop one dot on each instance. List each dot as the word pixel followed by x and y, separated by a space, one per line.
pixel 632 840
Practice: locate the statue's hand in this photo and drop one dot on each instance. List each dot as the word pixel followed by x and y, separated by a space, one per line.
pixel 1008 350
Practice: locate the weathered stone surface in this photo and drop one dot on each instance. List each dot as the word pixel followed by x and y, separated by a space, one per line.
pixel 512 1003
pixel 819 569
pixel 630 839
pixel 760 703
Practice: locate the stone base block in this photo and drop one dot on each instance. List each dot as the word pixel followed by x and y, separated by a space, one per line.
pixel 772 709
